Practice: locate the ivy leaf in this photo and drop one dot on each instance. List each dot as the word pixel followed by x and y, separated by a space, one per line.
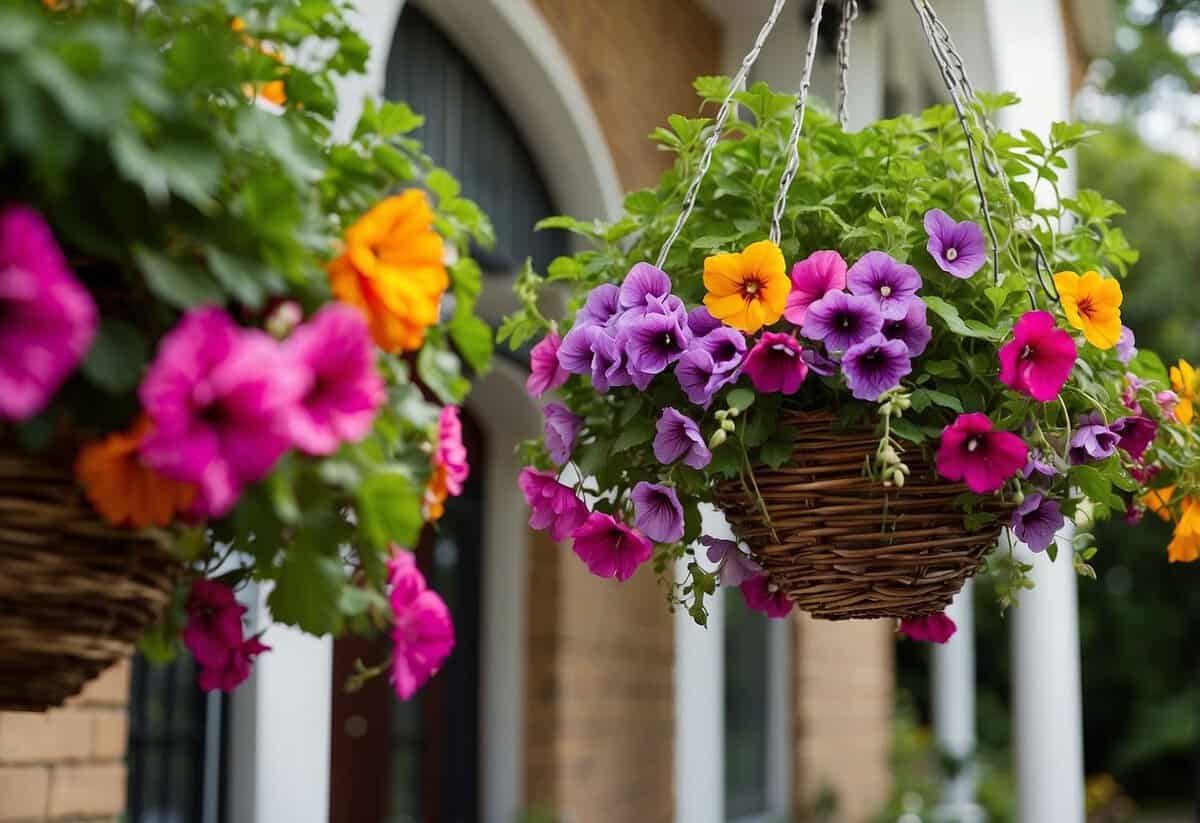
pixel 117 357
pixel 181 285
pixel 307 591
pixel 389 510
pixel 953 321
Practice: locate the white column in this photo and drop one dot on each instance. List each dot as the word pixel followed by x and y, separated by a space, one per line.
pixel 700 715
pixel 953 701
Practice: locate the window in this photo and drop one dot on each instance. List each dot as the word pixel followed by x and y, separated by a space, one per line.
pixel 174 753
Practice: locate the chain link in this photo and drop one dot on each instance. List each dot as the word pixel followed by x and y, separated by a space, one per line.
pixel 849 15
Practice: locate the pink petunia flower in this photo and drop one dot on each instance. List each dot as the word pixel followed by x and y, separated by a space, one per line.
pixel 345 390
pixel 552 505
pixel 47 318
pixel 775 364
pixel 1039 358
pixel 610 548
pixel 422 630
pixel 762 595
pixel 545 372
pixel 451 453
pixel 234 667
pixel 812 277
pixel 932 628
pixel 222 401
pixel 985 459
pixel 214 624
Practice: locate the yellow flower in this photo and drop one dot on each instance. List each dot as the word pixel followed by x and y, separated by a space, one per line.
pixel 393 271
pixel 272 91
pixel 1185 547
pixel 122 489
pixel 1158 501
pixel 1183 381
pixel 1093 304
pixel 748 290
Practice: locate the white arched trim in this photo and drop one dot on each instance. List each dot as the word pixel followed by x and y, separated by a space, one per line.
pixel 512 44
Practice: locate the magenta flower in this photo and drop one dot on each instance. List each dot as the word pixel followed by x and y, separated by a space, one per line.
pixel 575 351
pixel 450 452
pixel 47 317
pixel 912 329
pixel 214 622
pixel 344 389
pixel 701 322
pixel 602 307
pixel 1126 345
pixel 223 402
pixel 678 438
pixel 1092 440
pixel 775 364
pixel 545 372
pixel 1167 401
pixel 814 276
pixel 1036 520
pixel 552 505
pixel 610 548
pixel 841 320
pixel 232 669
pixel 657 512
pixel 726 346
pixel 560 430
pixel 422 629
pixel 892 285
pixel 699 378
pixel 1136 433
pixel 875 366
pixel 762 595
pixel 734 567
pixel 957 248
pixel 643 281
pixel 985 459
pixel 932 628
pixel 1039 358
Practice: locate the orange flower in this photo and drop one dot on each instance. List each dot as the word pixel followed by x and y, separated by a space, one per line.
pixel 393 272
pixel 122 489
pixel 1092 304
pixel 1185 547
pixel 273 90
pixel 748 290
pixel 1158 501
pixel 1184 382
pixel 436 494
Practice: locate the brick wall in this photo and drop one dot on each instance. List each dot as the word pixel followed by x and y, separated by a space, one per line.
pixel 844 679
pixel 637 60
pixel 67 764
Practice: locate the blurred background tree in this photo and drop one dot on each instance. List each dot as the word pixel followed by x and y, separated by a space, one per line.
pixel 1140 621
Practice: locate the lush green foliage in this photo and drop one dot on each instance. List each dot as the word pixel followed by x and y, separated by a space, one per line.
pixel 133 127
pixel 857 192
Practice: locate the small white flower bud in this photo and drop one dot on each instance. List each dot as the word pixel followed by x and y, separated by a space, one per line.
pixel 717 439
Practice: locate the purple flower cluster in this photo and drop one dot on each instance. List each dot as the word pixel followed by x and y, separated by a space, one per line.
pixel 627 335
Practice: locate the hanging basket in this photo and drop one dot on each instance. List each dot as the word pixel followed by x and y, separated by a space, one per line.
pixel 840 544
pixel 76 594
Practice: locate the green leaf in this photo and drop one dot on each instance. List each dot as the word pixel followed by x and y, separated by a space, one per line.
pixel 712 88
pixel 942 368
pixel 246 280
pixel 740 399
pixel 181 285
pixel 949 315
pixel 775 453
pixel 443 184
pixel 389 510
pixel 307 592
pixel 639 432
pixel 441 371
pixel 397 118
pixel 117 358
pixel 946 401
pixel 473 337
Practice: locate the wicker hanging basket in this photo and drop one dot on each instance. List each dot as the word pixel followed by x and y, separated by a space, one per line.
pixel 75 593
pixel 842 545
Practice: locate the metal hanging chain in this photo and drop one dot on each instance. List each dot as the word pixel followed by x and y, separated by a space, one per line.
pixel 718 128
pixel 849 15
pixel 793 151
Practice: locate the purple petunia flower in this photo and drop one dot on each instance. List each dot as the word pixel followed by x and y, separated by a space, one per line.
pixel 701 322
pixel 1092 440
pixel 575 351
pixel 602 306
pixel 697 374
pixel 887 281
pixel 734 567
pixel 725 345
pixel 652 342
pixel 657 512
pixel 841 320
pixel 643 281
pixel 561 429
pixel 819 363
pixel 1037 465
pixel 678 438
pixel 1126 345
pixel 913 328
pixel 775 364
pixel 1136 433
pixel 608 360
pixel 874 366
pixel 1036 521
pixel 957 248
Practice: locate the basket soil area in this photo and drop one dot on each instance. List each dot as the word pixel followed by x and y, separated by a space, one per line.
pixel 75 593
pixel 842 545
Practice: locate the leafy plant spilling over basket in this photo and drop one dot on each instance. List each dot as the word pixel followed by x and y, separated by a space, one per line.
pixel 870 397
pixel 225 354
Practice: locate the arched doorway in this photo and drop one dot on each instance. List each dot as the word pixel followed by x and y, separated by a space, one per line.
pixel 421 761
